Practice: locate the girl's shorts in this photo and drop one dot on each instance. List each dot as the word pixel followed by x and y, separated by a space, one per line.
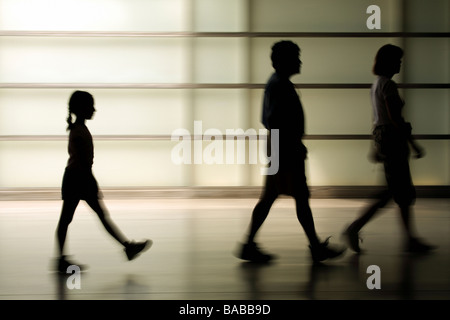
pixel 79 185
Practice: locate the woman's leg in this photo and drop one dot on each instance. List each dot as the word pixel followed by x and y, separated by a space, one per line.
pixel 368 214
pixel 404 194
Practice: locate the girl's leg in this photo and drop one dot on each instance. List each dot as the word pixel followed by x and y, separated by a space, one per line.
pixel 132 249
pixel 67 212
pixel 106 221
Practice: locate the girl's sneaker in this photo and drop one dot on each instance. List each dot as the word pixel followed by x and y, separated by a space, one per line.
pixel 251 252
pixel 63 264
pixel 134 249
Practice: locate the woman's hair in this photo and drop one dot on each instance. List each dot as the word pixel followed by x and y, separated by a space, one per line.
pixel 78 100
pixel 281 51
pixel 386 59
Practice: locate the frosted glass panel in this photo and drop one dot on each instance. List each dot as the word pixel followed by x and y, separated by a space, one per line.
pixel 322 15
pixel 434 168
pixel 138 111
pixel 123 111
pixel 423 65
pixel 136 163
pixel 255 177
pixel 428 110
pixel 99 15
pixel 220 15
pixel 33 111
pixel 90 60
pixel 337 111
pixel 219 60
pixel 116 163
pixel 421 16
pixel 214 169
pixel 220 175
pixel 221 109
pixel 341 162
pixel 325 60
pixel 32 164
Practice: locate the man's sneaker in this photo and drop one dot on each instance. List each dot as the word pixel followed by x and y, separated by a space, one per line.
pixel 251 252
pixel 416 246
pixel 62 264
pixel 352 238
pixel 134 249
pixel 323 252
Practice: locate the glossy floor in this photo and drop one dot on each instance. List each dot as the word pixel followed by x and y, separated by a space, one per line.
pixel 192 255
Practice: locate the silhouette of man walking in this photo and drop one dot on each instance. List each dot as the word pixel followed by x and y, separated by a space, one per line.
pixel 282 111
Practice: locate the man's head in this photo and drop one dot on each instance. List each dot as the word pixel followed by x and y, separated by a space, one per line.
pixel 286 57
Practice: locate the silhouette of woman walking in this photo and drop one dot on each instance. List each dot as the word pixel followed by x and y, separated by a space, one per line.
pixel 80 184
pixel 391 134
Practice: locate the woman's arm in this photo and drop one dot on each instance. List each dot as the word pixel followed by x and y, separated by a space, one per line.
pixel 394 106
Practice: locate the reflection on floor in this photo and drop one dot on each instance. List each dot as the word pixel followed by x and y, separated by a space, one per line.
pixel 192 255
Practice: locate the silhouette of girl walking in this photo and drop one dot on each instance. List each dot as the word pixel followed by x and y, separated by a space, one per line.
pixel 80 184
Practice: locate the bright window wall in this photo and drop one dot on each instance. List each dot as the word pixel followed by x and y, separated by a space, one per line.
pixel 155 66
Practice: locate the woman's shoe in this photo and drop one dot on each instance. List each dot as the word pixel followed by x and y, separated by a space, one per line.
pixel 352 238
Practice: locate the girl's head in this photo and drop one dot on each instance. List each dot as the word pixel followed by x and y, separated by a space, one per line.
pixel 81 104
pixel 388 60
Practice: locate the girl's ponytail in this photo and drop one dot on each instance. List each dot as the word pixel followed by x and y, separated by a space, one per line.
pixel 69 121
pixel 78 100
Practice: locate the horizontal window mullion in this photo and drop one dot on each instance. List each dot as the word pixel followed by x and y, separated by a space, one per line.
pixel 209 85
pixel 223 137
pixel 55 33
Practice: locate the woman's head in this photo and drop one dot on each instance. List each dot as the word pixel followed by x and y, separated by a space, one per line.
pixel 81 104
pixel 388 60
